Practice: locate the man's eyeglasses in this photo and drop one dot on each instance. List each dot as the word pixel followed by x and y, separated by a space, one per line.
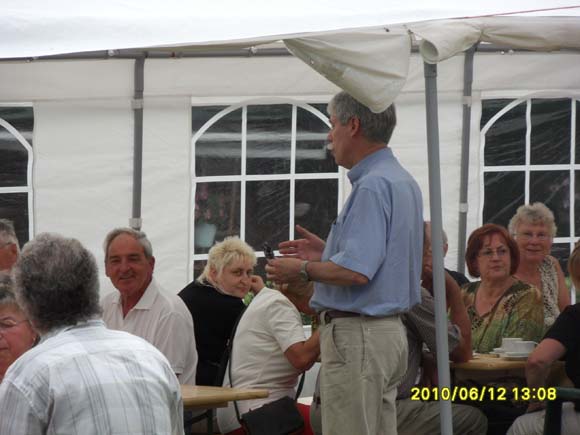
pixel 489 253
pixel 529 236
pixel 9 324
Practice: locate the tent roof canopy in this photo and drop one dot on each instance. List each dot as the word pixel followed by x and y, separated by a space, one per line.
pixel 364 48
pixel 37 28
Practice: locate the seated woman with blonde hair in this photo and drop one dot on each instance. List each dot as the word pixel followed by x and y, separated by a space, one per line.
pixel 533 229
pixel 16 333
pixel 499 305
pixel 270 351
pixel 215 302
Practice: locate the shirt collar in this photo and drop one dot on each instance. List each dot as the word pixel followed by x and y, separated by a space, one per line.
pixel 361 167
pixel 56 331
pixel 147 299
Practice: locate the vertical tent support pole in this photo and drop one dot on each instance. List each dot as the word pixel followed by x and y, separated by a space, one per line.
pixel 437 242
pixel 464 177
pixel 136 221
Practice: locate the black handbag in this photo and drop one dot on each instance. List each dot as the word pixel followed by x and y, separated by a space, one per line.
pixel 280 417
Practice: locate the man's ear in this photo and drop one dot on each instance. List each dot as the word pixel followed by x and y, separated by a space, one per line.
pixel 152 263
pixel 354 126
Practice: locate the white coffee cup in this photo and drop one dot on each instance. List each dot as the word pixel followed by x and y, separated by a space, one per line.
pixel 524 346
pixel 507 343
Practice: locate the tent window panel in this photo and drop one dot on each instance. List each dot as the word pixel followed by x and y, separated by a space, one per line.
pixel 217 213
pixel 316 205
pixel 577 203
pixel 505 141
pixel 553 189
pixel 550 131
pixel 13 161
pixel 219 150
pixel 561 251
pixel 198 267
pixel 200 115
pixel 311 140
pixel 14 206
pixel 577 147
pixel 269 130
pixel 267 212
pixel 504 193
pixel 21 118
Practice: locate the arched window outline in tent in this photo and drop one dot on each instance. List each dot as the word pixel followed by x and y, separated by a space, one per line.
pixel 528 168
pixel 28 188
pixel 292 176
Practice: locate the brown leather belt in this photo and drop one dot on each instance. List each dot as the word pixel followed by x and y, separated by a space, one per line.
pixel 328 315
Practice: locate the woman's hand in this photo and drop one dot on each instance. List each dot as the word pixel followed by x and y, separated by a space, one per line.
pixel 310 247
pixel 256 284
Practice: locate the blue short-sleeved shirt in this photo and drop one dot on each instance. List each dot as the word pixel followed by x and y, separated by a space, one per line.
pixel 379 233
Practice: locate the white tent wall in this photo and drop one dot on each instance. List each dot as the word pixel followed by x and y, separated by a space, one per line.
pixel 83 168
pixel 83 134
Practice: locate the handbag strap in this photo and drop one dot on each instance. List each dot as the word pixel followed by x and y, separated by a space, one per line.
pixel 229 363
pixel 229 358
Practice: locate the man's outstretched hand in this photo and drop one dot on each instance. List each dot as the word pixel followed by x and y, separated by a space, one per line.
pixel 310 247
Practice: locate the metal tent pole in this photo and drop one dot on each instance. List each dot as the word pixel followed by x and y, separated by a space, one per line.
pixel 437 242
pixel 135 221
pixel 464 177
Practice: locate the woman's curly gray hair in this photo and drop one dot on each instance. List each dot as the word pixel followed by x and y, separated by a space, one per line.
pixel 536 213
pixel 56 282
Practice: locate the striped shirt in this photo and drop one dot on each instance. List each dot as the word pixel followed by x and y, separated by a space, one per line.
pixel 86 379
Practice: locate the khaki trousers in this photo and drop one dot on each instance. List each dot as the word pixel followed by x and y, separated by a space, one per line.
pixel 363 360
pixel 423 418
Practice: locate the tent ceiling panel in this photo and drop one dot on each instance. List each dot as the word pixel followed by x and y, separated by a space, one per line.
pixel 32 81
pixel 443 39
pixel 227 77
pixel 514 71
pixel 361 63
pixel 39 28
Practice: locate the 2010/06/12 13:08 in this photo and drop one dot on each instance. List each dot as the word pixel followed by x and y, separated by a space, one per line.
pixel 479 394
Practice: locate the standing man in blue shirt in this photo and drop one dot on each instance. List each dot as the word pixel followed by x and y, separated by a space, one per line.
pixel 367 273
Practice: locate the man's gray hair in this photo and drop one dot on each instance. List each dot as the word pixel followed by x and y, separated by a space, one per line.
pixel 377 127
pixel 7 233
pixel 140 236
pixel 536 213
pixel 56 282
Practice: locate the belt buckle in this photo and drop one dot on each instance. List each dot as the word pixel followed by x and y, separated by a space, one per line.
pixel 327 318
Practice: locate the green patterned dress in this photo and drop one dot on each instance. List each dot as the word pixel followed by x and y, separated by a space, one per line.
pixel 519 312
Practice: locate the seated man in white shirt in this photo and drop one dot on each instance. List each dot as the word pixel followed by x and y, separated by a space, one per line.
pixel 142 307
pixel 82 378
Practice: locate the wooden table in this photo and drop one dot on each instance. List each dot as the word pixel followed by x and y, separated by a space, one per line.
pixel 488 367
pixel 203 397
pixel 484 362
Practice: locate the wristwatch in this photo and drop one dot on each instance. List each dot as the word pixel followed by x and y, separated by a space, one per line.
pixel 303 272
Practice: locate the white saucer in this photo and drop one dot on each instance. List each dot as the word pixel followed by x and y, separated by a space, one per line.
pixel 516 356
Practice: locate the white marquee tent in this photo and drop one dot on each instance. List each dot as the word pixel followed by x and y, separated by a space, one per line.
pixel 80 67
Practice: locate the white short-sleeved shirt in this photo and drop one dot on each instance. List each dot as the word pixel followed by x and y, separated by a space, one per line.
pixel 89 380
pixel 270 325
pixel 164 321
